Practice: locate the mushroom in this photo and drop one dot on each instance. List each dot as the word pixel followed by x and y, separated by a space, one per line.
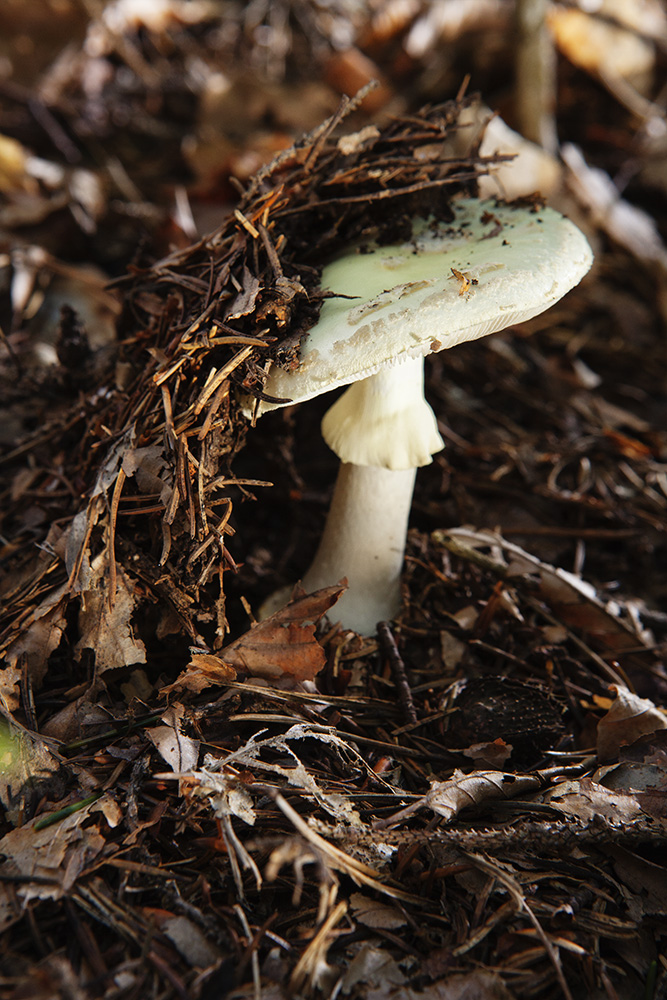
pixel 491 266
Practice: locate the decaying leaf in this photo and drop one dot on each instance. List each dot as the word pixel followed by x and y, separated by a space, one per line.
pixel 372 965
pixel 296 773
pixel 374 913
pixel 40 637
pixel 646 779
pixel 493 753
pixel 285 643
pixel 179 751
pixel 204 670
pixel 187 938
pixel 53 857
pixel 448 798
pixel 10 679
pixel 146 464
pixel 629 718
pixel 572 600
pixel 104 624
pixel 229 798
pixel 587 802
pixel 645 883
pixel 477 985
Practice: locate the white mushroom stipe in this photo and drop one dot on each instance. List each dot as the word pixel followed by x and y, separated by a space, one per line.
pixel 364 540
pixel 491 266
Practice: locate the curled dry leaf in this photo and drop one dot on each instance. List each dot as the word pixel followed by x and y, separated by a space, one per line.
pixel 629 718
pixel 204 670
pixel 283 645
pixel 448 798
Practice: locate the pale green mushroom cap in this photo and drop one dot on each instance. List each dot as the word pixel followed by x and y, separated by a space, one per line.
pixel 408 303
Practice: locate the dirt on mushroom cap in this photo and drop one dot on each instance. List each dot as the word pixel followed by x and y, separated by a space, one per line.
pixel 515 262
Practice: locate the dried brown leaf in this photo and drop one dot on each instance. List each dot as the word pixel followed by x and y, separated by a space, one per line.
pixel 179 751
pixel 492 754
pixel 629 718
pixel 477 985
pixel 105 625
pixel 285 643
pixel 571 599
pixel 647 781
pixel 448 798
pixel 190 941
pixel 146 464
pixel 40 636
pixel 375 913
pixel 204 670
pixel 55 855
pixel 587 801
pixel 372 965
pixel 646 880
pixel 10 679
pixel 282 645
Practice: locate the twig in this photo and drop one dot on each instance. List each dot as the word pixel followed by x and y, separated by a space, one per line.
pixel 390 649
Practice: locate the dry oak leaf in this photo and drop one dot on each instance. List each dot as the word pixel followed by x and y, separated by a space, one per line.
pixel 448 798
pixel 283 645
pixel 628 719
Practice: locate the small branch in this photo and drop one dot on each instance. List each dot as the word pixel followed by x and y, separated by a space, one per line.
pixel 390 649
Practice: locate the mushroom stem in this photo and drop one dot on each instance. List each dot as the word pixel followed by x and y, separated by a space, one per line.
pixel 364 540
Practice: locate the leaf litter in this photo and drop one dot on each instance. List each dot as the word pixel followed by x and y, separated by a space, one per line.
pixel 473 805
